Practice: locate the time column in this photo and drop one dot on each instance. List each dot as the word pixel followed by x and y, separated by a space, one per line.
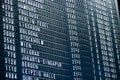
pixel 9 40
